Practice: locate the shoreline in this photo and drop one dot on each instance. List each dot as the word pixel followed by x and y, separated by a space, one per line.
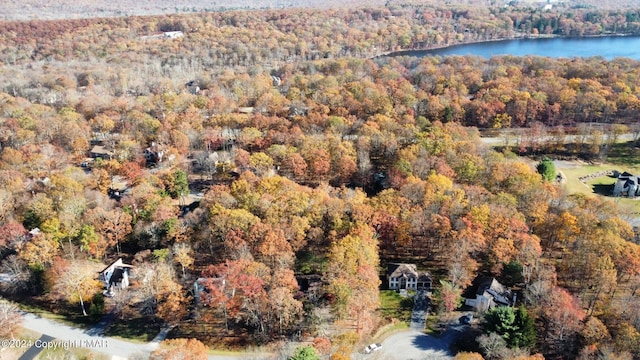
pixel 408 52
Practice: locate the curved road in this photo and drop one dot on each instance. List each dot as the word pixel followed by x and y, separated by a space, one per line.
pixel 116 348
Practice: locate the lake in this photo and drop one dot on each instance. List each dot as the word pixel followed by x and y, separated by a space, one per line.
pixel 608 47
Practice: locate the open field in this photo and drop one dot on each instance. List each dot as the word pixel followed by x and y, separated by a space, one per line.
pixel 598 186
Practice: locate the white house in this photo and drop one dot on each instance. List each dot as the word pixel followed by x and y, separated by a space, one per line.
pixel 406 276
pixel 173 34
pixel 490 294
pixel 116 275
pixel 627 185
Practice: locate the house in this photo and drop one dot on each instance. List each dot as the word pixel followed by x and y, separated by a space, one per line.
pixel 172 34
pixel 490 294
pixel 153 154
pixel 116 275
pixel 407 277
pixel 627 185
pixel 101 152
pixel 119 187
pixel 193 87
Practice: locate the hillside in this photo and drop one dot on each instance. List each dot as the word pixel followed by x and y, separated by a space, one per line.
pixel 77 9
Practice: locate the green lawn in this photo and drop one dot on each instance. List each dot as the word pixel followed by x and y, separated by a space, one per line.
pixel 140 329
pixel 573 173
pixel 394 306
pixel 602 185
pixel 431 326
pixel 624 153
pixel 71 319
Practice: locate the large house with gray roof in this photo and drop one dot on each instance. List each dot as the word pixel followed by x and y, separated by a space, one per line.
pixel 627 185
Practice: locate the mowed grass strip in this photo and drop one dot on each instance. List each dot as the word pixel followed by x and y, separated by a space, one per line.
pixel 394 306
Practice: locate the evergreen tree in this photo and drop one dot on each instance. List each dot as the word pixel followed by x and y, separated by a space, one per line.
pixel 305 353
pixel 547 169
pixel 515 326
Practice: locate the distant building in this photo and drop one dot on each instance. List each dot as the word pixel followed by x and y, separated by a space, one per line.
pixel 193 87
pixel 154 154
pixel 627 185
pixel 173 34
pixel 101 152
pixel 407 277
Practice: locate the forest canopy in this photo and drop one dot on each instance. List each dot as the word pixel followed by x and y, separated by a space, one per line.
pixel 245 152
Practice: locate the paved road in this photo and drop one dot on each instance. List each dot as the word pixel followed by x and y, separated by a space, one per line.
pixel 513 139
pixel 116 348
pixel 61 332
pixel 35 350
pixel 415 345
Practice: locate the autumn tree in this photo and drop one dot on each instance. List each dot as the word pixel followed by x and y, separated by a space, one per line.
pixel 238 288
pixel 186 349
pixel 113 226
pixel 75 281
pixel 183 255
pixel 562 315
pixel 449 296
pixel 10 318
pixel 160 293
pixel 352 277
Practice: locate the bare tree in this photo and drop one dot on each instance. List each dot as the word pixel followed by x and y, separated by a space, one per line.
pixel 10 318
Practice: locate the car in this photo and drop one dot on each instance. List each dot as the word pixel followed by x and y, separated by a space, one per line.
pixel 372 348
pixel 466 319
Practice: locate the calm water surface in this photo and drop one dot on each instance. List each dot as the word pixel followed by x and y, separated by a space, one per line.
pixel 608 47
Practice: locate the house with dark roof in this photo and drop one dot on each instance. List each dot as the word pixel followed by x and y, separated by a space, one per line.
pixel 115 275
pixel 407 277
pixel 491 293
pixel 99 151
pixel 627 185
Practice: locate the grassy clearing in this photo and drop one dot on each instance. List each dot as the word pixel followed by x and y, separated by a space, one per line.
pixel 573 184
pixel 75 320
pixel 394 306
pixel 599 186
pixel 431 326
pixel 625 154
pixel 140 329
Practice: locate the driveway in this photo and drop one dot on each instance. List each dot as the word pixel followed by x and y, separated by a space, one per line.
pixel 420 307
pixel 415 345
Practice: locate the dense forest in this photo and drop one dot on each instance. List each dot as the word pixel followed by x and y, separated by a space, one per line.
pixel 257 147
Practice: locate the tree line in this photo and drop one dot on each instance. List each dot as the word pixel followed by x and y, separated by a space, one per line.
pixel 326 167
